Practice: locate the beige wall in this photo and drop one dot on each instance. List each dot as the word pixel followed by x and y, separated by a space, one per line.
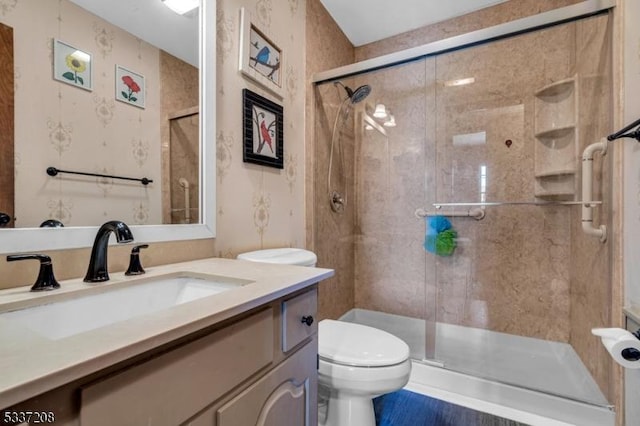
pixel 258 206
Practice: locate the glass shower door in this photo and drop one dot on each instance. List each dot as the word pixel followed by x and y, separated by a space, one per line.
pixel 511 122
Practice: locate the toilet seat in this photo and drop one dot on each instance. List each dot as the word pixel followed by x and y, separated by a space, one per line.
pixel 283 256
pixel 356 345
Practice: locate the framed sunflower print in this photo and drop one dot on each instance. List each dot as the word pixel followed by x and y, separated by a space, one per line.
pixel 72 65
pixel 262 131
pixel 130 87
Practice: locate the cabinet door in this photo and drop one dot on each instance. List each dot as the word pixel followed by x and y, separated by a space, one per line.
pixel 285 396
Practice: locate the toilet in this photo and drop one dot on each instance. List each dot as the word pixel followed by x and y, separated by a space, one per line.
pixel 356 363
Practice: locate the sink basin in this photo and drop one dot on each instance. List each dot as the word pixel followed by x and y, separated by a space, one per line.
pixel 66 318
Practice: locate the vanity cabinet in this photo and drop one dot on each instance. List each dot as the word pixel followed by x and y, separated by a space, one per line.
pixel 238 373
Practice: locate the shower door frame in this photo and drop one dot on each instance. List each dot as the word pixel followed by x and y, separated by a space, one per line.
pixel 508 29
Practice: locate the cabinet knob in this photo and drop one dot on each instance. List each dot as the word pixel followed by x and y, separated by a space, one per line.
pixel 307 320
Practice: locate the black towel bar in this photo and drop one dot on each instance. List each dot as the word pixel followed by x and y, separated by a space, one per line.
pixel 52 171
pixel 623 133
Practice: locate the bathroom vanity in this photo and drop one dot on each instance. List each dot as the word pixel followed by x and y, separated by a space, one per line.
pixel 247 355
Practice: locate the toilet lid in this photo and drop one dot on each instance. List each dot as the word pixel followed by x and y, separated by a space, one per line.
pixel 284 256
pixel 358 345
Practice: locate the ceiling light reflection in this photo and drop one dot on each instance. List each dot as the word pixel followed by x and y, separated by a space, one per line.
pixel 181 7
pixel 380 111
pixel 460 82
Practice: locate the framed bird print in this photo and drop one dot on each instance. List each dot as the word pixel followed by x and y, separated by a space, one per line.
pixel 260 58
pixel 262 131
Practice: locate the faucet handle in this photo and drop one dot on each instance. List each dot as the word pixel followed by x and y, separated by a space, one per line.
pixel 46 280
pixel 135 267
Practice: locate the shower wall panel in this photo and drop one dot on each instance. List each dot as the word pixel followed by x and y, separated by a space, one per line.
pixel 179 91
pixel 334 246
pixel 494 15
pixel 329 236
pixel 590 260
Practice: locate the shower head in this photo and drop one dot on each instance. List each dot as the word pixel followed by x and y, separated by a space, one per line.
pixel 357 95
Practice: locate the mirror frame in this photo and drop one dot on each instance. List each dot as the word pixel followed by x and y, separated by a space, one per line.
pixel 14 240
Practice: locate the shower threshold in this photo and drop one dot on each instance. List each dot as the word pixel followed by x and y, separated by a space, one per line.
pixel 528 380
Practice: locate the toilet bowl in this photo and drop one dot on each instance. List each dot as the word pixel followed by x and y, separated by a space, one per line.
pixel 356 363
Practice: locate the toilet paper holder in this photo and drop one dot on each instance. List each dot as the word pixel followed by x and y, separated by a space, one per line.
pixel 632 354
pixel 622 344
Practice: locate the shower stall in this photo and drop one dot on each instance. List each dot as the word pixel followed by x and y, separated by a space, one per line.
pixel 488 136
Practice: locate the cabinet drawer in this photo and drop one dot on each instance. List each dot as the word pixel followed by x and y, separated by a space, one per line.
pixel 169 389
pixel 294 330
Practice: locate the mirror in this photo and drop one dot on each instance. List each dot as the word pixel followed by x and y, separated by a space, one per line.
pixel 30 239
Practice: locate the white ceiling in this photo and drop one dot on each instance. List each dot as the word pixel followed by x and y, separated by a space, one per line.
pixel 153 22
pixel 363 21
pixel 366 21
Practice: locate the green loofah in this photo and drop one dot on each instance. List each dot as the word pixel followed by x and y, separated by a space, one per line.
pixel 446 242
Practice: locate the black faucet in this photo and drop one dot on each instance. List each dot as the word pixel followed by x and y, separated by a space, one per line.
pixel 97 271
pixel 46 280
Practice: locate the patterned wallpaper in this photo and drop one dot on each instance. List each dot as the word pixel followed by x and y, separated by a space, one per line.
pixel 258 206
pixel 67 127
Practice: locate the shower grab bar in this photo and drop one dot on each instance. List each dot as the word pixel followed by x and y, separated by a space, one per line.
pixel 476 213
pixel 587 190
pixel 184 183
pixel 517 203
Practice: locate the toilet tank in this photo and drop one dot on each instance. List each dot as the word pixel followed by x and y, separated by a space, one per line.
pixel 282 256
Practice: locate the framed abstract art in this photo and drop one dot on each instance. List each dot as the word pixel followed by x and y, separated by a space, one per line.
pixel 263 130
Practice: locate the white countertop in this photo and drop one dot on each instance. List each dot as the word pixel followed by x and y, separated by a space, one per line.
pixel 32 364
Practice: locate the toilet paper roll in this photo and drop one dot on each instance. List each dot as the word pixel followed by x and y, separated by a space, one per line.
pixel 623 346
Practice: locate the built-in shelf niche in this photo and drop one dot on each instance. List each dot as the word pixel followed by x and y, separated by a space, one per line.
pixel 556 151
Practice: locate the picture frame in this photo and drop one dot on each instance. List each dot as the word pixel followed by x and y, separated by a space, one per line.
pixel 261 59
pixel 130 87
pixel 72 65
pixel 262 131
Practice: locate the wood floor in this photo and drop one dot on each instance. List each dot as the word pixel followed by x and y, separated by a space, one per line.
pixel 404 408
